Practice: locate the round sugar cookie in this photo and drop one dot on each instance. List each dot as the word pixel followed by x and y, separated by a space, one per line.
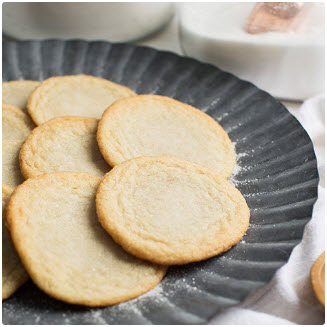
pixel 65 250
pixel 75 95
pixel 11 174
pixel 17 92
pixel 13 272
pixel 154 125
pixel 16 124
pixel 63 144
pixel 170 211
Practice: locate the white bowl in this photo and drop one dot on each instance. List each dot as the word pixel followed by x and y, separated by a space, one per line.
pixel 112 21
pixel 287 65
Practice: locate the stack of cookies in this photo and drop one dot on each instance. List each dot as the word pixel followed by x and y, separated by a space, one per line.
pixel 117 187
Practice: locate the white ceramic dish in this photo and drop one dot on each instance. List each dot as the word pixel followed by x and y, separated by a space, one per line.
pixel 289 66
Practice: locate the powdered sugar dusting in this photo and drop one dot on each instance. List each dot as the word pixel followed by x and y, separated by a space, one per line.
pixel 238 168
pixel 221 117
pixel 212 104
pixel 156 295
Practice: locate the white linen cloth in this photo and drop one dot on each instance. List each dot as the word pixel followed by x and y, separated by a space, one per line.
pixel 289 298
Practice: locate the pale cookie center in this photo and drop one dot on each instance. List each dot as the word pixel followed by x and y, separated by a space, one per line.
pixel 174 208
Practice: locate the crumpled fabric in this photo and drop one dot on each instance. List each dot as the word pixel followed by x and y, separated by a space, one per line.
pixel 288 298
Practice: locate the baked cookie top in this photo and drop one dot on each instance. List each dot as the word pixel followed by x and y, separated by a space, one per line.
pixel 63 144
pixel 170 211
pixel 16 124
pixel 17 92
pixel 65 250
pixel 75 95
pixel 13 272
pixel 154 125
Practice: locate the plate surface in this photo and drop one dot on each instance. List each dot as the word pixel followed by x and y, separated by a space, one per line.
pixel 276 172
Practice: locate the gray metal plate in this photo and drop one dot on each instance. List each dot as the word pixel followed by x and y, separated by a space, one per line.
pixel 276 172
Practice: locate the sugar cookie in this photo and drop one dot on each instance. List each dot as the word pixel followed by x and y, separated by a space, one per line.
pixel 75 95
pixel 16 124
pixel 170 211
pixel 13 272
pixel 17 92
pixel 153 125
pixel 63 144
pixel 65 250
